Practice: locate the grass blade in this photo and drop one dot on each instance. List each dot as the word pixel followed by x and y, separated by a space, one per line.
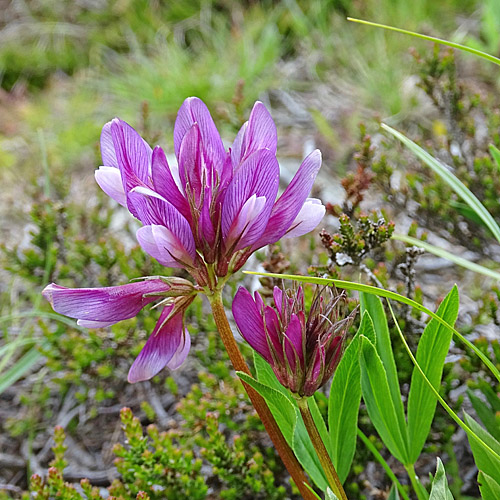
pixel 439 252
pixel 22 366
pixel 453 45
pixel 460 189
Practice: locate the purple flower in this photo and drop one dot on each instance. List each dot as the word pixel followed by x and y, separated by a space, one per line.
pixel 214 208
pixel 302 351
pixel 169 343
pixel 206 214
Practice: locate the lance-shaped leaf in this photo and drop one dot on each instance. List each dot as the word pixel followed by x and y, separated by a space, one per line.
pixel 440 490
pixel 489 488
pixel 486 414
pixel 379 402
pixel 343 403
pixel 485 460
pixel 431 353
pixel 373 306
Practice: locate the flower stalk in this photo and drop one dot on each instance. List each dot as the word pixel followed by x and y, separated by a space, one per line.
pixel 319 446
pixel 239 364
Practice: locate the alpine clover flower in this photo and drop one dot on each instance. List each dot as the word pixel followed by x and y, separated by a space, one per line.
pixel 206 214
pixel 303 351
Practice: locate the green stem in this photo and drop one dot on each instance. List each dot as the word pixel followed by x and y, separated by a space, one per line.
pixel 415 482
pixel 260 405
pixel 321 451
pixel 383 463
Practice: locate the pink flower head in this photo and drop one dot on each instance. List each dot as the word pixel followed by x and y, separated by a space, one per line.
pixel 303 351
pixel 206 214
pixel 214 208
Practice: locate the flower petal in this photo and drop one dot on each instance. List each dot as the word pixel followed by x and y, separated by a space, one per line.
pixel 104 305
pixel 278 299
pixel 110 181
pixel 249 212
pixel 192 111
pixel 294 333
pixel 250 323
pixel 132 153
pixel 160 348
pixel 290 203
pixel 258 175
pixel 258 133
pixel 164 183
pixel 107 147
pixel 192 168
pixel 94 324
pixel 307 219
pixel 163 246
pixel 152 210
pixel 182 351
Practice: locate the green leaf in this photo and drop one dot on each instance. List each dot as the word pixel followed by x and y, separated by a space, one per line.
pixel 485 460
pixel 439 252
pixel 330 495
pixel 440 490
pixel 491 396
pixel 460 189
pixel 373 306
pixel 393 494
pixel 298 439
pixel 283 410
pixel 467 212
pixel 431 353
pixel 344 400
pixel 381 292
pixel 378 399
pixel 454 45
pixel 490 489
pixel 486 415
pixel 22 366
pixel 495 153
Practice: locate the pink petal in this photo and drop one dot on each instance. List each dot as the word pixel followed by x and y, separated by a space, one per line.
pixel 249 212
pixel 110 181
pixel 295 334
pixel 258 133
pixel 153 210
pixel 107 147
pixel 132 153
pixel 308 218
pixel 290 203
pixel 192 111
pixel 161 346
pixel 258 175
pixel 104 305
pixel 165 185
pixel 162 245
pixel 250 323
pixel 182 351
